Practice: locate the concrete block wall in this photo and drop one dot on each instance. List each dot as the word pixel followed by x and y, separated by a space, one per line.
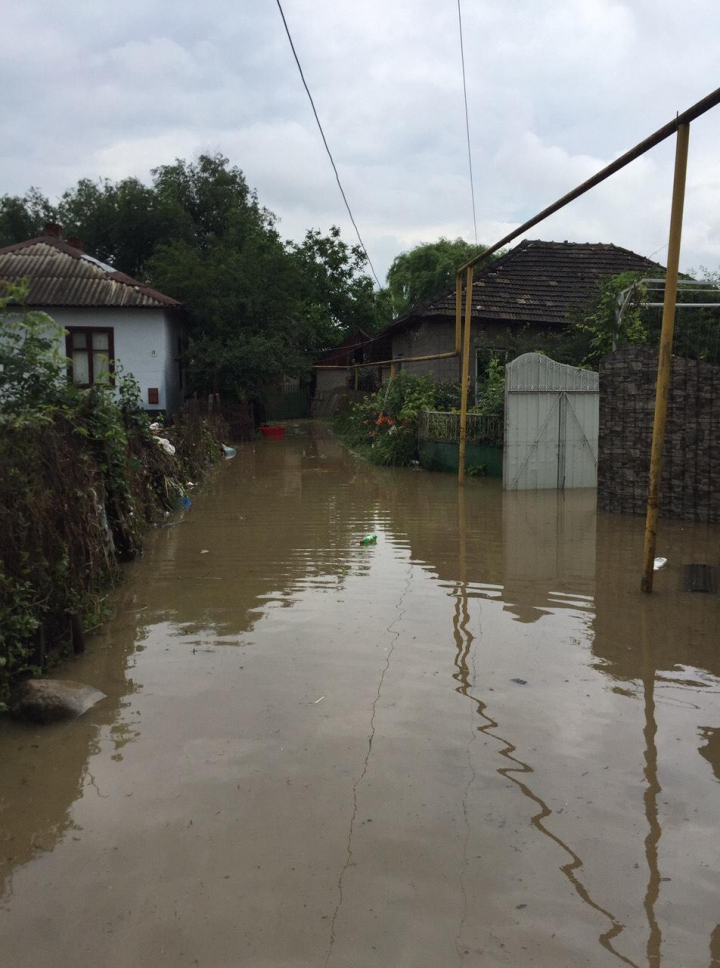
pixel 424 339
pixel 690 488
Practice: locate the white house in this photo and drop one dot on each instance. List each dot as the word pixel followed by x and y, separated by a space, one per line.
pixel 109 317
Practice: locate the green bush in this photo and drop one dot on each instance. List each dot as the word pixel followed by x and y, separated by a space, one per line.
pixel 81 477
pixel 384 425
pixel 491 390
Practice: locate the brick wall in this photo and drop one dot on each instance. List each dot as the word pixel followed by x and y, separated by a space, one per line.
pixel 690 487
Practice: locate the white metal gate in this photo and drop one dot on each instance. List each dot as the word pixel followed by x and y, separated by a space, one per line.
pixel 551 425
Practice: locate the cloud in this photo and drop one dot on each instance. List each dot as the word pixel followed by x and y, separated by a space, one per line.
pixel 556 90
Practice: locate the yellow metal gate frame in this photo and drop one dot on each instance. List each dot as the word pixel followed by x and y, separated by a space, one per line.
pixel 679 126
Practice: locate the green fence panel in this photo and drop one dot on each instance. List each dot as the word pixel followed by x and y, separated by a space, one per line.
pixel 443 456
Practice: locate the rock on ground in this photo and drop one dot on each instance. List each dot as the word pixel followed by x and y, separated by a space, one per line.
pixel 51 700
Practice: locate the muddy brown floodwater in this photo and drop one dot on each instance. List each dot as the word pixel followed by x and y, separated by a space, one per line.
pixel 475 743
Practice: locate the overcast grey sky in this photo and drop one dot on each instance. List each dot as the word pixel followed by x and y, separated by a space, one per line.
pixel 556 89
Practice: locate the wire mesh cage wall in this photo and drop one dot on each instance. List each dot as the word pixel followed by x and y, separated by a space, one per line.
pixel 445 427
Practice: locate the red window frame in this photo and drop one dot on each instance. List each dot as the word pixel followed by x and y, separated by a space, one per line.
pixel 88 331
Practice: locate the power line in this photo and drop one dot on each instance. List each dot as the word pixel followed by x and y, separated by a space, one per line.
pixel 327 146
pixel 467 120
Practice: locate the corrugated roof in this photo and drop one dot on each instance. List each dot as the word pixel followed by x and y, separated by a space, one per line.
pixel 539 282
pixel 61 275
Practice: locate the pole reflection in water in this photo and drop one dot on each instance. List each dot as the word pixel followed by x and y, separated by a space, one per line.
pixel 464 657
pixel 650 799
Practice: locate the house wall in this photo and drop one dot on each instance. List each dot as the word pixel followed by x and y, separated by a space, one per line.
pixel 423 339
pixel 437 335
pixel 173 388
pixel 690 487
pixel 145 344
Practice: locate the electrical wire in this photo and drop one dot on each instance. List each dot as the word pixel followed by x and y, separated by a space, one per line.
pixel 467 120
pixel 327 146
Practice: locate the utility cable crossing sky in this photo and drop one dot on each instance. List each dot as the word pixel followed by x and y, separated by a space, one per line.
pixel 467 120
pixel 327 146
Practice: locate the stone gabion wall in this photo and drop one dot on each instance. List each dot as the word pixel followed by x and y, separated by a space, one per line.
pixel 691 458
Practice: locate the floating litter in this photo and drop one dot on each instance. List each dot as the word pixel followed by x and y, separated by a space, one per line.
pixel 659 564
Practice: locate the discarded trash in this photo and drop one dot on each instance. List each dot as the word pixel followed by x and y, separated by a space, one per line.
pixel 369 539
pixel 205 552
pixel 273 433
pixel 155 426
pixel 229 451
pixel 166 445
pixel 190 484
pixel 520 682
pixel 318 700
pixel 659 564
pixel 184 502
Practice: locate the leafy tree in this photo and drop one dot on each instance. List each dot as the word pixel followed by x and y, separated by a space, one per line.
pixel 427 271
pixel 615 318
pixel 24 217
pixel 258 308
pixel 601 327
pixel 334 286
pixel 121 224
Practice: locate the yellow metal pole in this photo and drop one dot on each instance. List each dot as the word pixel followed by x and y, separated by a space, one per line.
pixel 464 384
pixel 458 313
pixel 665 356
pixel 392 369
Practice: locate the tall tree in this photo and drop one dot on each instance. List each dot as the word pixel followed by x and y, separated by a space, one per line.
pixel 23 217
pixel 334 287
pixel 257 307
pixel 121 223
pixel 427 271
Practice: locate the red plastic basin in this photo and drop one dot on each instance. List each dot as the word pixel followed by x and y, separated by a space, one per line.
pixel 274 433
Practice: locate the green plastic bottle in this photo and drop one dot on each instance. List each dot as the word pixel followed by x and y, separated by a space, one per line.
pixel 369 539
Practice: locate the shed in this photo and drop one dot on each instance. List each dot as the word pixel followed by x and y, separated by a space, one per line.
pixel 350 351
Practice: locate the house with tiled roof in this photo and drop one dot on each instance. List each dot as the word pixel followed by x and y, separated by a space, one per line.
pixel 109 318
pixel 536 287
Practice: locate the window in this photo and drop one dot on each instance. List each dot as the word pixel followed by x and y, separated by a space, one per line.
pixel 91 353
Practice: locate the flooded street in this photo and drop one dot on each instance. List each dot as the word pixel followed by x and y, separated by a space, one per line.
pixel 474 743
